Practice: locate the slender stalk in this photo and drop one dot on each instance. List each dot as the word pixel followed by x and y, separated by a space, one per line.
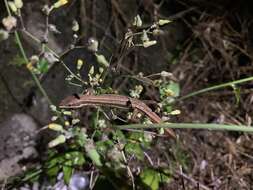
pixel 216 87
pixel 36 80
pixel 73 74
pixel 7 7
pixel 212 126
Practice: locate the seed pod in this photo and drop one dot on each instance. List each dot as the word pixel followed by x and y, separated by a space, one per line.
pixel 92 45
pixel 18 3
pixel 60 3
pixel 12 6
pixel 149 43
pixel 137 21
pixel 175 112
pixel 75 26
pixel 58 140
pixel 79 64
pixel 55 127
pixel 144 36
pixel 102 60
pixel 4 35
pixel 162 22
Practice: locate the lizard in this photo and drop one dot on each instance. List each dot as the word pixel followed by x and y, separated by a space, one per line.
pixel 112 100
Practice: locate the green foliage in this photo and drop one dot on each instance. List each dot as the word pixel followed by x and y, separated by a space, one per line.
pixel 237 93
pixel 169 92
pixel 152 178
pixel 42 65
pixel 63 162
pixel 134 149
pixel 67 171
pixel 93 154
pixel 18 60
pixel 170 89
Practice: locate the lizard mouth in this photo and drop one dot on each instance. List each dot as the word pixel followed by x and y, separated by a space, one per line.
pixel 66 102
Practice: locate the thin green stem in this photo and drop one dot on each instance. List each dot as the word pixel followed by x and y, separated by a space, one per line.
pixel 55 54
pixel 216 87
pixel 211 126
pixel 7 7
pixel 73 74
pixel 36 80
pixel 22 51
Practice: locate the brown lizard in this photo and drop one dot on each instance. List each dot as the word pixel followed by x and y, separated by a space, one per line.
pixel 112 100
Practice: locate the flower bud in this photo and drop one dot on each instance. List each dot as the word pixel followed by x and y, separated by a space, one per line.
pixel 9 22
pixel 162 22
pixel 58 140
pixel 12 6
pixel 60 3
pixel 149 43
pixel 18 3
pixel 3 35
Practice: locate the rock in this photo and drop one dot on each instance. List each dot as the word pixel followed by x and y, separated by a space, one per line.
pixel 17 143
pixel 78 181
pixel 40 110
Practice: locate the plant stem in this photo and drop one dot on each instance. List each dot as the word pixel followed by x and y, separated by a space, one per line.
pixel 223 85
pixel 36 80
pixel 211 126
pixel 7 7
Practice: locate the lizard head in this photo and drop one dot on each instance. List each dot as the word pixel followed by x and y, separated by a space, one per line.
pixel 70 102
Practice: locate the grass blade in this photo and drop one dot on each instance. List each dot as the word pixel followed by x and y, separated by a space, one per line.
pixel 211 126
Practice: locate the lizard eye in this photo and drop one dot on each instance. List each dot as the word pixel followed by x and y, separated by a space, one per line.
pixel 76 96
pixel 129 103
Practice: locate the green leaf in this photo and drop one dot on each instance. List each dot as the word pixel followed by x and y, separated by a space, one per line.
pixel 167 108
pixel 136 136
pixel 42 65
pixel 81 138
pixel 79 160
pixel 143 139
pixel 134 148
pixel 67 171
pixel 151 178
pixel 171 89
pixel 53 171
pixel 165 177
pixel 118 135
pixel 32 175
pixel 92 153
pixel 18 60
pixel 104 146
pixel 95 157
pixel 76 157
